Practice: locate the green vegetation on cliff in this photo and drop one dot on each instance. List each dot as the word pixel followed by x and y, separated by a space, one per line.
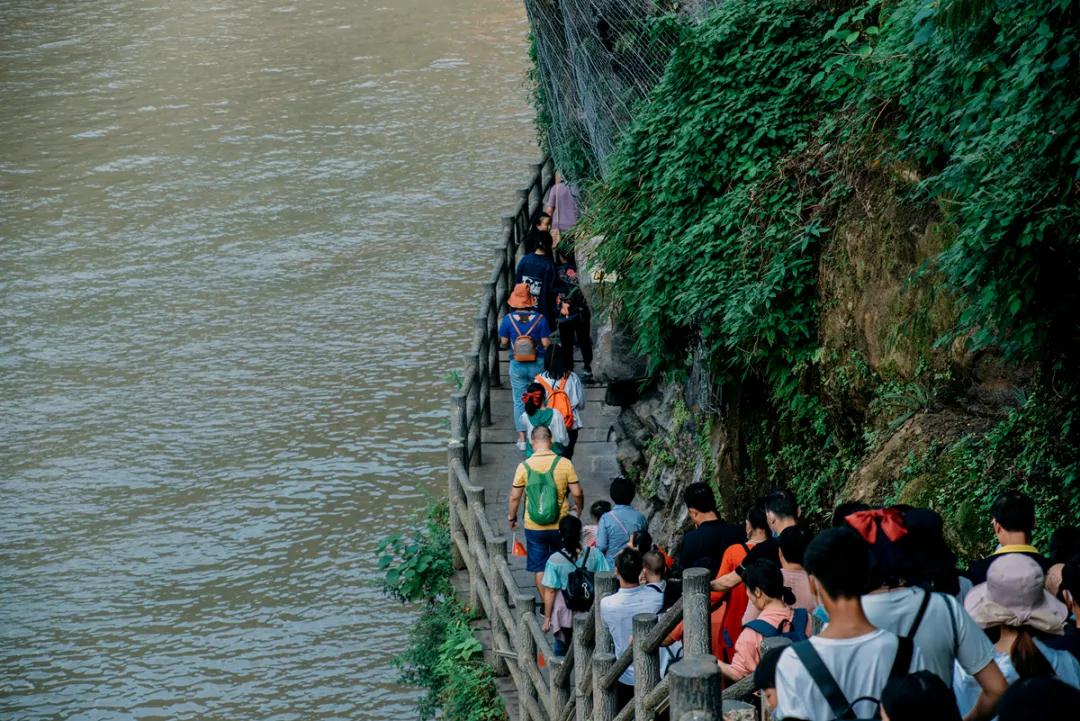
pixel 800 161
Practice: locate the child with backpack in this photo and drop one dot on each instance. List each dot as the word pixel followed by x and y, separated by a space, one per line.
pixel 567 584
pixel 841 672
pixel 536 413
pixel 564 394
pixel 773 600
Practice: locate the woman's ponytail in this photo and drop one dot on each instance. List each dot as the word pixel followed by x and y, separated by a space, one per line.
pixel 1026 657
pixel 788 596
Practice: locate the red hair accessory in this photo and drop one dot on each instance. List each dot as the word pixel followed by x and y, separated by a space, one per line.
pixel 866 524
pixel 534 396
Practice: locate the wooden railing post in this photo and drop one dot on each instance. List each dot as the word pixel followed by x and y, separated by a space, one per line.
pixel 526 650
pixel 605 584
pixel 605 700
pixel 560 684
pixel 496 548
pixel 494 373
pixel 525 195
pixel 484 368
pixel 457 528
pixel 475 497
pixel 538 182
pixel 472 415
pixel 646 664
pixel 459 429
pixel 695 686
pixel 583 653
pixel 695 612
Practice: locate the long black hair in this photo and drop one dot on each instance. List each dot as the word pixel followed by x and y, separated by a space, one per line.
pixel 570 534
pixel 553 363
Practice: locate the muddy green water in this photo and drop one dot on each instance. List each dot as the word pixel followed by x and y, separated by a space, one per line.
pixel 237 244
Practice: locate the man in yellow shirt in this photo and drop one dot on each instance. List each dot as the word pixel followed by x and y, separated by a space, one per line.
pixel 542 539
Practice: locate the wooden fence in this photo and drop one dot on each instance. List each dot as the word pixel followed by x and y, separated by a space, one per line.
pixel 580 686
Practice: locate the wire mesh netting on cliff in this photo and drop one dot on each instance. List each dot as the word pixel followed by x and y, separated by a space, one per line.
pixel 595 60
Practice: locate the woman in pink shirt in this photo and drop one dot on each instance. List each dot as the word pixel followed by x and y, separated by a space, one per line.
pixel 768 594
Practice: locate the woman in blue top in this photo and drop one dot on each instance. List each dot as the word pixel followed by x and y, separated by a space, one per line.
pixel 527 356
pixel 557 617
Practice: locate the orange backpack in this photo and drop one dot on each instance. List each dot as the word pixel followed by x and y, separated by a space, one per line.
pixel 558 399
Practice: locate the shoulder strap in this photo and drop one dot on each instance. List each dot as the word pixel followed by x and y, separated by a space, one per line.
pixel 514 323
pixel 621 524
pixel 536 322
pixel 902 662
pixel 824 680
pixel 554 463
pixel 765 628
pixel 585 559
pixel 745 548
pixel 566 555
pixel 799 620
pixel 919 616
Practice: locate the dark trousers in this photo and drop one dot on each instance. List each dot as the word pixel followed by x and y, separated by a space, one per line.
pixel 568 452
pixel 576 331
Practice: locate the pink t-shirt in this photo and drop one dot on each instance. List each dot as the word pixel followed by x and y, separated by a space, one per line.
pixel 748 645
pixel 565 213
pixel 799 583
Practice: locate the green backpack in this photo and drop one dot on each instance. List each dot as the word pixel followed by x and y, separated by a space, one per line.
pixel 542 495
pixel 542 417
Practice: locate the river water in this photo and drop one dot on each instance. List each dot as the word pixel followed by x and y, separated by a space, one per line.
pixel 238 243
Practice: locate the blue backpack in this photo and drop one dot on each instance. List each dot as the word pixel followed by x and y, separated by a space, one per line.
pixel 796 633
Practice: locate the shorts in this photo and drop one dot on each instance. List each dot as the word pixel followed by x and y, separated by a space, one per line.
pixel 540 545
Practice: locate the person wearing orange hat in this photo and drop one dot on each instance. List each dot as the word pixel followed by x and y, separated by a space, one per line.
pixel 526 334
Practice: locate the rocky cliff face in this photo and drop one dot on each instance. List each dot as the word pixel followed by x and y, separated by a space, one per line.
pixel 889 388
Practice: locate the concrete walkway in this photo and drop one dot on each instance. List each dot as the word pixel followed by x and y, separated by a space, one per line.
pixel 594 459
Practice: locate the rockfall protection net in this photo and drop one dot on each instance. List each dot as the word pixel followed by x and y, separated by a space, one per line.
pixel 595 61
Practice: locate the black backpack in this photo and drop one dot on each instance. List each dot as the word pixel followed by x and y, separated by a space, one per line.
pixel 580 589
pixel 844 710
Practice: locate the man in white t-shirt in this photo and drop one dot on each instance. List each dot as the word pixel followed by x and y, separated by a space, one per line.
pixel 858 657
pixel 941 629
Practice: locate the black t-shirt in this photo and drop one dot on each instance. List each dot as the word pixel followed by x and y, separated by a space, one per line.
pixel 977 572
pixel 769 548
pixel 704 546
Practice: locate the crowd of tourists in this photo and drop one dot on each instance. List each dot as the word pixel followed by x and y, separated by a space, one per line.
pixel 881 621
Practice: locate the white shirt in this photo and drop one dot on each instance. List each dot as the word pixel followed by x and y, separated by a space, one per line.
pixel 860 666
pixel 574 392
pixel 947 632
pixel 617 611
pixel 558 427
pixel 967 688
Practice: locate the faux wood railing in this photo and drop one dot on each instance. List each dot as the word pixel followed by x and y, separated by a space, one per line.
pixel 580 686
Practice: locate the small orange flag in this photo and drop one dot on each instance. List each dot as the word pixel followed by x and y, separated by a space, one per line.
pixel 519 547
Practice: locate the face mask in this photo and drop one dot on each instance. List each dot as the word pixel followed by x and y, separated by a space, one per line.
pixel 821 614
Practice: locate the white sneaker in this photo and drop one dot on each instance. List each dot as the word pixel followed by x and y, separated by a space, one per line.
pixel 521 446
